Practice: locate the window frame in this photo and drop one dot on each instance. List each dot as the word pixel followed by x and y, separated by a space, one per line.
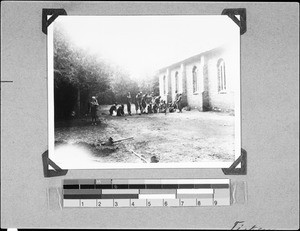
pixel 222 83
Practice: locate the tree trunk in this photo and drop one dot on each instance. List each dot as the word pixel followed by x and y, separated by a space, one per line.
pixel 78 102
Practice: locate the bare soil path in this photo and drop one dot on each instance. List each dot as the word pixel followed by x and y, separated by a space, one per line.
pixel 190 136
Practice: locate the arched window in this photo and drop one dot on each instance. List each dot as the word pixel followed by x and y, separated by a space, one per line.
pixel 221 76
pixel 165 84
pixel 195 80
pixel 176 81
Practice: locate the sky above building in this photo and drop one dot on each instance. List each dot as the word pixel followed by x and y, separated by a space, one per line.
pixel 143 44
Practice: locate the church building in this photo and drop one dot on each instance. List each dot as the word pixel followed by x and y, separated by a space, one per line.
pixel 207 81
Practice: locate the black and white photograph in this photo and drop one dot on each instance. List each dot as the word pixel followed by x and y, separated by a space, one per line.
pixel 144 91
pixel 149 115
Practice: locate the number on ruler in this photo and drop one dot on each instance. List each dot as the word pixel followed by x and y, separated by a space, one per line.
pixel 132 204
pixel 182 202
pixel 198 203
pixel 99 203
pixel 116 204
pixel 215 202
pixel 149 203
pixel 82 204
pixel 166 203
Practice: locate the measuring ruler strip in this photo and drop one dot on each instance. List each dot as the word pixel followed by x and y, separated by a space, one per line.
pixel 145 193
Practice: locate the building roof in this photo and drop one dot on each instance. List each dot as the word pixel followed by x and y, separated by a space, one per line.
pixel 190 59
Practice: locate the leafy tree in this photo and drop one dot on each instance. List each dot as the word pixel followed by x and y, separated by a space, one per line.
pixel 79 75
pixel 122 84
pixel 149 85
pixel 76 68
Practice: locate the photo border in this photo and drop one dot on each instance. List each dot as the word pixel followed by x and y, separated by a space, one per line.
pixel 181 165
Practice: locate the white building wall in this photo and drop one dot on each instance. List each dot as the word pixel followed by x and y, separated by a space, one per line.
pixel 162 85
pixel 165 85
pixel 223 100
pixel 173 82
pixel 194 99
pixel 181 79
pixel 207 79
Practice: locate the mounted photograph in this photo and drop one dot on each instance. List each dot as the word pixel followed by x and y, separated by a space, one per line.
pixel 144 91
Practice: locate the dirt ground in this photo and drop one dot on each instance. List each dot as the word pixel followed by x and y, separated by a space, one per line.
pixel 190 136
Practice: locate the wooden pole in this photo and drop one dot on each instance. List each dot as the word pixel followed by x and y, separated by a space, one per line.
pixel 142 158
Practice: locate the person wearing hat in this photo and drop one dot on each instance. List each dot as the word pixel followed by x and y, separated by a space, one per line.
pixel 129 103
pixel 94 105
pixel 179 102
pixel 113 108
pixel 138 102
pixel 156 104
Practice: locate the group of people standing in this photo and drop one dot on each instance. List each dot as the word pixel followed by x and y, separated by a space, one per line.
pixel 144 104
pixel 148 103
